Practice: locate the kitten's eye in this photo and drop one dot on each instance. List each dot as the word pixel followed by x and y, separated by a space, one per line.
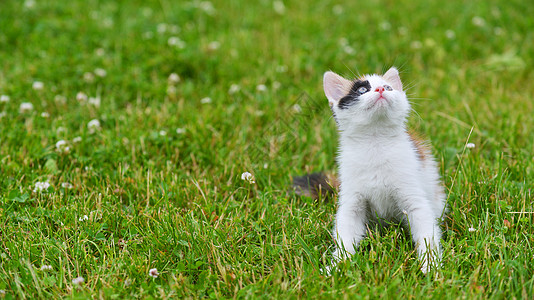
pixel 362 90
pixel 388 88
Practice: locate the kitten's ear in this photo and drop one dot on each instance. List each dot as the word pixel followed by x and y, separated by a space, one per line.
pixel 393 78
pixel 335 87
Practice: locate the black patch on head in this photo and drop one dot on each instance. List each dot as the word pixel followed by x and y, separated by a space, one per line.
pixel 354 93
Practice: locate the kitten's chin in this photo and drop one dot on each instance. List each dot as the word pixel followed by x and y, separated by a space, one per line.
pixel 382 102
pixel 379 105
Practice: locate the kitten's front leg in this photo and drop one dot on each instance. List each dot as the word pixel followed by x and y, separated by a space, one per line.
pixel 425 232
pixel 349 229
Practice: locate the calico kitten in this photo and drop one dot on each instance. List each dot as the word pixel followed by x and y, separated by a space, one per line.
pixel 384 172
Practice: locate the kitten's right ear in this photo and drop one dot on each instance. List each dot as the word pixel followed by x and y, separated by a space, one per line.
pixel 335 87
pixel 392 76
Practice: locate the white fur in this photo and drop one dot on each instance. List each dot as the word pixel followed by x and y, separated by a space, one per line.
pixel 380 171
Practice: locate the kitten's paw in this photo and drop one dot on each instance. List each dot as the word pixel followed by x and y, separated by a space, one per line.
pixel 425 267
pixel 430 263
pixel 329 269
pixel 326 270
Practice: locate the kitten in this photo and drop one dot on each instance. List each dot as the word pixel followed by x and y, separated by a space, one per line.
pixel 384 172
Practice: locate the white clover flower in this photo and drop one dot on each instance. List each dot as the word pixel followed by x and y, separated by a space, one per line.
pixel 25 107
pixel 2 292
pixel 81 97
pixel 478 21
pixel 88 77
pixel 279 7
pixel 276 85
pixel 180 130
pixel 416 45
pixel 297 108
pixel 46 267
pixel 162 132
pixel 234 88
pixel 471 229
pixel 171 90
pixel 84 218
pixel 248 177
pixel 4 98
pixel 470 145
pixel 281 68
pixel 100 52
pixel 60 99
pixel 450 34
pixel 2 114
pixel 77 139
pixel 94 101
pixel 122 243
pixel 61 147
pixel 93 126
pixel 214 45
pixel 45 114
pixel 108 22
pixel 67 185
pixel 337 9
pixel 100 72
pixel 205 100
pixel 430 43
pixel 29 4
pixel 343 41
pixel 176 42
pixel 174 78
pixel 78 280
pixel 349 50
pixel 207 7
pixel 153 273
pixel 37 85
pixel 147 35
pixel 41 186
pixel 161 28
pixel 385 25
pixel 60 130
pixel 261 88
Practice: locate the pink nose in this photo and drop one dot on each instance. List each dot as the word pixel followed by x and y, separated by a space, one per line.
pixel 380 89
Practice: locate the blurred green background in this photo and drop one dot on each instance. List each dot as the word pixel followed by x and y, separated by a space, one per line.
pixel 164 104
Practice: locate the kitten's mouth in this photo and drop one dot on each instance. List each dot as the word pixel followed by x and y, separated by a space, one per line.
pixel 381 100
pixel 380 104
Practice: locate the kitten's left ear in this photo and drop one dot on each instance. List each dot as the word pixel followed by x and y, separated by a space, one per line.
pixel 393 78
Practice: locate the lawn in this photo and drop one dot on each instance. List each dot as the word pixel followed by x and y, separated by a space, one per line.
pixel 126 126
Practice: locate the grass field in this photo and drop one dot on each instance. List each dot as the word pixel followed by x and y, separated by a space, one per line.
pixel 126 126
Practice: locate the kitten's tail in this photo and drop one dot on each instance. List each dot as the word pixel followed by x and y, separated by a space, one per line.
pixel 316 185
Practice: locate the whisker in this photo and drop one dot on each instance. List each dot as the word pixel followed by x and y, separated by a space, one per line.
pixel 418 115
pixel 419 98
pixel 410 85
pixel 356 75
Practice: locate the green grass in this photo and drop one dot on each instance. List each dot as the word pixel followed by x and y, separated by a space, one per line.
pixel 160 180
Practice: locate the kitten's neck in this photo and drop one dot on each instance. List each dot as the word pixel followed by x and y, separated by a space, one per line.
pixel 371 132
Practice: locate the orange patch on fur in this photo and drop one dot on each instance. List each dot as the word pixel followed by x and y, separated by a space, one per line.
pixel 420 145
